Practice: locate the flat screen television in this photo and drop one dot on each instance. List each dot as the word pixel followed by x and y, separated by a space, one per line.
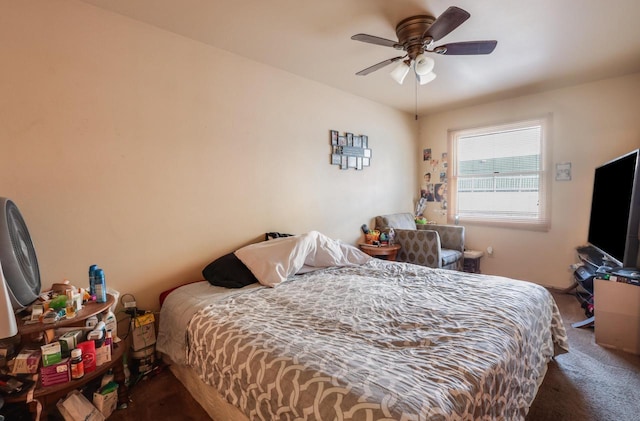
pixel 615 210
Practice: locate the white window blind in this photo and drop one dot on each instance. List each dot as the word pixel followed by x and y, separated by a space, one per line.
pixel 499 175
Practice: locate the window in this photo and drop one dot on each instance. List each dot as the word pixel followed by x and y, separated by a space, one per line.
pixel 499 175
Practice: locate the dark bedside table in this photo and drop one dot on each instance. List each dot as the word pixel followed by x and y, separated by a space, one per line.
pixel 472 261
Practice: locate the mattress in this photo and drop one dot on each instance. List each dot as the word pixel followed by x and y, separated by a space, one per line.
pixel 380 340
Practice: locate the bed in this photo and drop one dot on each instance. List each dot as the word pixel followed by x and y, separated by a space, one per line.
pixel 328 333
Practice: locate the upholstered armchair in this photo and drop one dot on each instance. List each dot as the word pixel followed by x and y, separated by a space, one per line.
pixel 433 245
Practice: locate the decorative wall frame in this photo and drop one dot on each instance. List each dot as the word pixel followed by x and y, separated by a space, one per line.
pixel 563 171
pixel 349 150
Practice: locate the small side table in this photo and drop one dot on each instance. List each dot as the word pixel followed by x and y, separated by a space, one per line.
pixel 381 252
pixel 472 261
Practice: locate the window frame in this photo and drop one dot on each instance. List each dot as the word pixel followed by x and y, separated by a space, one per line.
pixel 543 220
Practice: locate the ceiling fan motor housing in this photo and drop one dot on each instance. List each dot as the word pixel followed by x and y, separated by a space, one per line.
pixel 411 31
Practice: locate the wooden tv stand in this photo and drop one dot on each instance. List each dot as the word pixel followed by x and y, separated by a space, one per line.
pixel 47 397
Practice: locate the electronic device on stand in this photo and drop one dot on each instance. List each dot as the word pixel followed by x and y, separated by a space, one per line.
pixel 614 222
pixel 613 249
pixel 584 275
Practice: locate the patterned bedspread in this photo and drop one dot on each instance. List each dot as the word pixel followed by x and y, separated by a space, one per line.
pixel 381 341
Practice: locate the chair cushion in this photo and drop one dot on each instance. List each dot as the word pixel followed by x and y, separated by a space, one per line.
pixel 404 221
pixel 418 247
pixel 450 256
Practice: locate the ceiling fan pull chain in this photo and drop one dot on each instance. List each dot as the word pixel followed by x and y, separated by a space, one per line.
pixel 416 87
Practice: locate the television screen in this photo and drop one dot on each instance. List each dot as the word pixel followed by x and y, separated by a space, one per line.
pixel 615 210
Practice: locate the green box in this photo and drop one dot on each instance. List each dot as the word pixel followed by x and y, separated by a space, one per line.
pixel 69 340
pixel 51 354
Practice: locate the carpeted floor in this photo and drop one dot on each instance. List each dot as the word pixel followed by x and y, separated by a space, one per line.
pixel 590 383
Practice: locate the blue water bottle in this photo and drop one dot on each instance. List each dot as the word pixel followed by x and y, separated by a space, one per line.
pixel 100 286
pixel 92 280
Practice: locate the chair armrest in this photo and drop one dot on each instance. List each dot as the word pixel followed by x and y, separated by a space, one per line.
pixel 451 236
pixel 420 247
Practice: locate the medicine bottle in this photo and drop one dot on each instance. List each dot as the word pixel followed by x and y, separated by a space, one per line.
pixel 77 365
pixel 108 340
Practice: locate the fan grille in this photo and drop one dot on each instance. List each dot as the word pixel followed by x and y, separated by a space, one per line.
pixel 20 265
pixel 22 245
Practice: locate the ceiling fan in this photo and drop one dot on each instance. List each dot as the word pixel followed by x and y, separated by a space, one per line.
pixel 416 36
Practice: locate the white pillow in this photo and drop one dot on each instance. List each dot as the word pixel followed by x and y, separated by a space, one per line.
pixel 272 262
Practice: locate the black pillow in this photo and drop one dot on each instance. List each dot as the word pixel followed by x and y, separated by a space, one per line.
pixel 228 271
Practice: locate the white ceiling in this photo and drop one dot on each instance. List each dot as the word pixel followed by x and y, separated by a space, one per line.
pixel 542 44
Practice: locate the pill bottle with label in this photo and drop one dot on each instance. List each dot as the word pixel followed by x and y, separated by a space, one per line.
pixel 77 365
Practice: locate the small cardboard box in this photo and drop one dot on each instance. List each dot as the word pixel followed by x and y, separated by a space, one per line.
pixel 69 340
pixel 106 402
pixel 617 315
pixel 103 354
pixel 27 361
pixel 51 353
pixel 143 331
pixel 55 374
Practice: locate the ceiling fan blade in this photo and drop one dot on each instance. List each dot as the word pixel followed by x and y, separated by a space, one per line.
pixel 379 66
pixel 449 20
pixel 375 40
pixel 467 48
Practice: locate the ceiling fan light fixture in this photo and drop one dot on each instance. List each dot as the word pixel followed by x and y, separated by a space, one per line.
pixel 424 79
pixel 400 72
pixel 423 64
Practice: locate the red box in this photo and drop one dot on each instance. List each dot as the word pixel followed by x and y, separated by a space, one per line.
pixel 55 374
pixel 88 355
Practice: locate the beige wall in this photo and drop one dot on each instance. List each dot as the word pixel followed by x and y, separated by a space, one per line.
pixel 150 154
pixel 592 124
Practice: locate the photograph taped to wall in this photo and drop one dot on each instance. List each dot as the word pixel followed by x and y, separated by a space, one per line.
pixel 352 161
pixel 336 159
pixel 440 192
pixel 357 141
pixel 427 192
pixel 366 162
pixel 365 141
pixel 359 163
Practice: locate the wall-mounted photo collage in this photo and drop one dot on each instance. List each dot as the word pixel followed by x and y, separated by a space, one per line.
pixel 434 179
